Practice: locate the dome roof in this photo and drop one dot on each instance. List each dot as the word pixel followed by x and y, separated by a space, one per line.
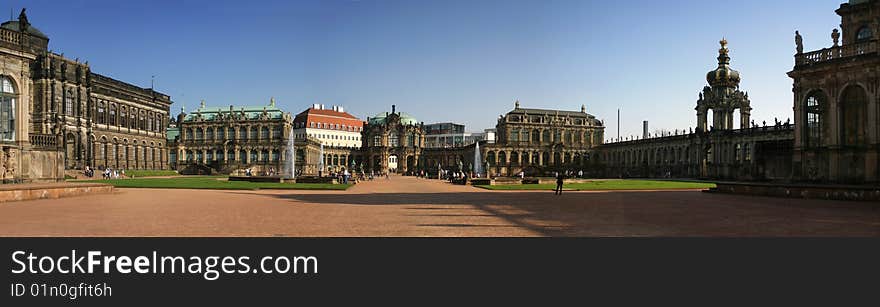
pixel 723 76
pixel 382 118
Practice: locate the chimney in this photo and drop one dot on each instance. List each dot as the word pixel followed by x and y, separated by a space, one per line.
pixel 644 129
pixel 340 109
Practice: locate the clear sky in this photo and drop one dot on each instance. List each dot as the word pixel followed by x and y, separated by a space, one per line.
pixel 449 60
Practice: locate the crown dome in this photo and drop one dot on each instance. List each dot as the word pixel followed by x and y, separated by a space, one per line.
pixel 723 76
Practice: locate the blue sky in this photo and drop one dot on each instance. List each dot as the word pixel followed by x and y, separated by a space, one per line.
pixel 461 61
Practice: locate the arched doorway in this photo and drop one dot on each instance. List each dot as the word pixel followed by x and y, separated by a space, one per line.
pixel 392 163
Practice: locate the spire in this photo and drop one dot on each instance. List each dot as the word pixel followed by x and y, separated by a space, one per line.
pixel 723 57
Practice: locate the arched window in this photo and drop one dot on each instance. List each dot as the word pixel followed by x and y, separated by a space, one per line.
pixel 813 132
pixel 264 133
pixel 7 109
pixel 221 133
pixel 853 105
pixel 230 133
pixel 545 137
pixel 210 134
pixel 254 132
pixel 864 33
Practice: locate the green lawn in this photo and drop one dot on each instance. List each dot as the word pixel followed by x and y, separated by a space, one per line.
pixel 149 173
pixel 214 183
pixel 599 185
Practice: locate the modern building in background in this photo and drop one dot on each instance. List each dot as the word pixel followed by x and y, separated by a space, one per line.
pixel 448 135
pixel 56 114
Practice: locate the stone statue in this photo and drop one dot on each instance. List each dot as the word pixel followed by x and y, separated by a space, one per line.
pixel 835 36
pixel 799 42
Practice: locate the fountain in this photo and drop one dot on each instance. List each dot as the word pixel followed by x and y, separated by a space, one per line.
pixel 321 161
pixel 290 167
pixel 478 160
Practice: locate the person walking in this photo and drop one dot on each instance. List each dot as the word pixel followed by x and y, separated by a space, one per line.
pixel 559 181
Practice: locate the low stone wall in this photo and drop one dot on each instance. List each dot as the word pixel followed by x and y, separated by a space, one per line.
pixel 18 192
pixel 316 179
pixel 277 179
pixel 838 192
pixel 482 181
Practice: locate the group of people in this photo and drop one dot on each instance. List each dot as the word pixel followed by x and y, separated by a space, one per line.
pixel 109 173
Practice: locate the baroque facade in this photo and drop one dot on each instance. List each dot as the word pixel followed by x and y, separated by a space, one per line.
pixel 56 113
pixel 392 142
pixel 218 139
pixel 535 141
pixel 837 117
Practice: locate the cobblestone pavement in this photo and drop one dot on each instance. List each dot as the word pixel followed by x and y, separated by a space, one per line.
pixel 405 206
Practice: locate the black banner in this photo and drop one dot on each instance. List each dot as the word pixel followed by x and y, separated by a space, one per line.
pixel 416 271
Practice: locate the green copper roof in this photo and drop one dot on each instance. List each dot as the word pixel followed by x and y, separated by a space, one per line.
pixel 172 133
pixel 250 112
pixel 405 119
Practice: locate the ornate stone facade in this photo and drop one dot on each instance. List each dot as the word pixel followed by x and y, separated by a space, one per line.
pixel 537 141
pixel 392 142
pixel 228 140
pixel 837 117
pixel 55 113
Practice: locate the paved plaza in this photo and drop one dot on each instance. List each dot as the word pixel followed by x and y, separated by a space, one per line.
pixel 406 206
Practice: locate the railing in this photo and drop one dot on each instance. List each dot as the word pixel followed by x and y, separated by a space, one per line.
pixel 43 140
pixel 10 36
pixel 839 52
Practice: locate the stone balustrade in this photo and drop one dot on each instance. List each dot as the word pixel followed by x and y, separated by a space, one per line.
pixel 828 54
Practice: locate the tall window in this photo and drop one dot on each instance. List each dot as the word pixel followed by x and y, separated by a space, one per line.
pixel 200 134
pixel 377 140
pixel 112 115
pixel 68 103
pixel 254 132
pixel 411 140
pixel 133 118
pixel 393 140
pixel 737 152
pixel 149 122
pixel 514 135
pixel 101 114
pixel 814 121
pixel 210 134
pixel 264 133
pixel 7 109
pixel 142 122
pixel 123 117
pixel 221 133
pixel 230 133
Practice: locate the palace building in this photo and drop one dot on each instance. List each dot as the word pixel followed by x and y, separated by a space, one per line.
pixel 837 116
pixel 393 142
pixel 56 114
pixel 228 139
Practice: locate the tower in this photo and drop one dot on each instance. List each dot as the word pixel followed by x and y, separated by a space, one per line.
pixel 722 96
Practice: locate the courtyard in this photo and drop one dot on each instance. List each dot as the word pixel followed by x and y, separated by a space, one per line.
pixel 408 206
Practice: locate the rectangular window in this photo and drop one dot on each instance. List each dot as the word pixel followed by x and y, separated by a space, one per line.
pixel 101 114
pixel 68 104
